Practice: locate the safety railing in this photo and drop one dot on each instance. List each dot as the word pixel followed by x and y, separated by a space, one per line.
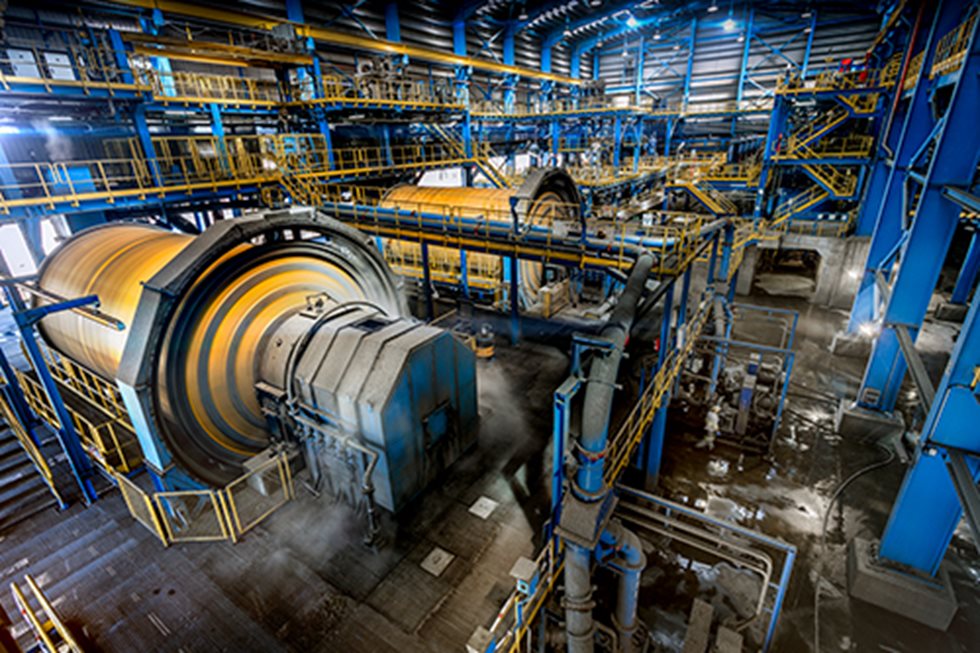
pixel 539 107
pixel 305 156
pixel 482 154
pixel 853 146
pixel 747 173
pixel 914 71
pixel 891 70
pixel 510 627
pixel 252 497
pixel 836 80
pixel 840 182
pixel 814 130
pixel 378 89
pixel 483 271
pixel 637 423
pixel 27 444
pixel 141 507
pixel 210 515
pixel 108 440
pixel 951 48
pixel 110 180
pixel 85 68
pixel 194 516
pixel 713 200
pixel 207 88
pixel 798 203
pixel 96 391
pixel 47 626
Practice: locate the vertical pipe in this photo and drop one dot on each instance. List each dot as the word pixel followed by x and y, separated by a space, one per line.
pixel 427 283
pixel 589 485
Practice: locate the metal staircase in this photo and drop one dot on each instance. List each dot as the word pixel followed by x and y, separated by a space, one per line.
pixel 815 130
pixel 482 162
pixel 798 203
pixel 26 483
pixel 712 199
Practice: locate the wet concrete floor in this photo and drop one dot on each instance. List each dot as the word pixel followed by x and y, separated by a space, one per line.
pixel 304 581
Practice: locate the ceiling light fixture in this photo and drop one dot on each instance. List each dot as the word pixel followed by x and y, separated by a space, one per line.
pixel 632 22
pixel 713 8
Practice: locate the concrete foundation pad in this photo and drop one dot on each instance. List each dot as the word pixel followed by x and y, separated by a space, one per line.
pixel 851 345
pixel 860 423
pixel 932 603
pixel 951 312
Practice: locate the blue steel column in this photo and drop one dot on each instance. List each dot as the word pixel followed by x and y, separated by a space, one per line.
pixel 968 272
pixel 777 126
pixel 954 161
pixel 393 31
pixel 617 140
pixel 67 436
pixel 928 509
pixel 890 202
pixel 655 438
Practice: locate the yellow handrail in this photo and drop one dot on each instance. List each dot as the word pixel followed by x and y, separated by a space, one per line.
pixel 951 48
pixel 47 623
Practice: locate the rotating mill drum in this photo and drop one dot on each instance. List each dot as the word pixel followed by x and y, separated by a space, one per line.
pixel 547 198
pixel 203 315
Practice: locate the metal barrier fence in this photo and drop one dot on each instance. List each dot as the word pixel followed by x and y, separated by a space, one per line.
pixel 182 86
pixel 418 91
pixel 50 632
pixel 72 182
pixel 210 515
pixel 109 441
pixel 77 66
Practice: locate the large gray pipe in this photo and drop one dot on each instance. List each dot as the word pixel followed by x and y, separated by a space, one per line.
pixel 589 484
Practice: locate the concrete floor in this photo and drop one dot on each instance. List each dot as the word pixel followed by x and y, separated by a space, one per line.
pixel 303 580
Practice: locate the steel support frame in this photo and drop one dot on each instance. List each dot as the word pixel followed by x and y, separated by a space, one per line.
pixel 884 201
pixel 954 161
pixel 929 505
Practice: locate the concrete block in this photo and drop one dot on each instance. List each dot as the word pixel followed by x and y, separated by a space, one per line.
pixel 479 641
pixel 727 641
pixel 852 345
pixel 951 312
pixel 930 602
pixel 860 423
pixel 698 627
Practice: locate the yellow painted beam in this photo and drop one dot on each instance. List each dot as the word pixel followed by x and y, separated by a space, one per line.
pixel 342 39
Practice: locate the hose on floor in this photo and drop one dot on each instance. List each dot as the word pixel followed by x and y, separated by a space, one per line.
pixel 823 534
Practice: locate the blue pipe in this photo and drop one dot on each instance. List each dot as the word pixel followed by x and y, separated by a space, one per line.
pixel 589 485
pixel 620 548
